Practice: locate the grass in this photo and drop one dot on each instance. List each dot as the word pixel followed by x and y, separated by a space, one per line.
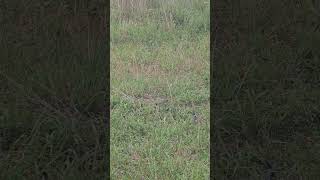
pixel 53 81
pixel 159 78
pixel 266 91
pixel 52 93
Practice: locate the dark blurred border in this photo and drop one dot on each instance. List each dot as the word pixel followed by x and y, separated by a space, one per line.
pixel 55 89
pixel 265 96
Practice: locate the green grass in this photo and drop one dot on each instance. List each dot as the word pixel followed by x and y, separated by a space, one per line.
pixel 159 77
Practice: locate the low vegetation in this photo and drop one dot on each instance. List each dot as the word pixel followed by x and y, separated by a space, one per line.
pixel 160 90
pixel 266 90
pixel 53 85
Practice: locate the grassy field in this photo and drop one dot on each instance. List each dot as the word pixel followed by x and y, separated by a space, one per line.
pixel 159 86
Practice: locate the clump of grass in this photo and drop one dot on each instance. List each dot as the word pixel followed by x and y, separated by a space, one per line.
pixel 52 94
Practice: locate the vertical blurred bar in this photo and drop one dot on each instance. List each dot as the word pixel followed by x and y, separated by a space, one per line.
pixel 54 89
pixel 264 92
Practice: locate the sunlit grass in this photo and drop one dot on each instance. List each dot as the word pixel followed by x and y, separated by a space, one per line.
pixel 159 78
